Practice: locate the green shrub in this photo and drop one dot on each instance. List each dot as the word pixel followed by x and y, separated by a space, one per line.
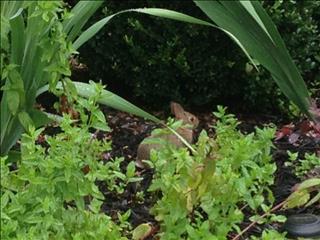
pixel 310 162
pixel 203 195
pixel 52 192
pixel 155 60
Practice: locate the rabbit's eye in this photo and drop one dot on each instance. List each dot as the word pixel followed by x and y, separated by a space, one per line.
pixel 191 119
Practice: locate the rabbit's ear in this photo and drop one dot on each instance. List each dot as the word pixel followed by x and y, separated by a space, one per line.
pixel 176 109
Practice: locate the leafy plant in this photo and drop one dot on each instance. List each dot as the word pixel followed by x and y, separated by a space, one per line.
pixel 203 195
pixel 301 195
pixel 303 166
pixel 270 235
pixel 51 193
pixel 37 42
pixel 41 55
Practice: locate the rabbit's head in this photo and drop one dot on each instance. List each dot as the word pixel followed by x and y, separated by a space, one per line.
pixel 143 152
pixel 180 114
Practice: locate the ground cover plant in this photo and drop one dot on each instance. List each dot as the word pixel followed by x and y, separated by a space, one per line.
pixel 54 186
pixel 203 196
pixel 70 185
pixel 52 191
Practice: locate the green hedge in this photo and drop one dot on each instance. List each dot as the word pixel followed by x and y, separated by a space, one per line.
pixel 152 60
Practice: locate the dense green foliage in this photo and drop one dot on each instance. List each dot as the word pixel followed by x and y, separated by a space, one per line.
pixel 156 60
pixel 308 165
pixel 203 194
pixel 52 193
pixel 52 189
pixel 38 40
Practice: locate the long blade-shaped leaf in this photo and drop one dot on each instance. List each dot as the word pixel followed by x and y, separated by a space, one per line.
pixel 112 100
pixel 250 9
pixel 107 98
pixel 81 13
pixel 17 38
pixel 158 12
pixel 249 23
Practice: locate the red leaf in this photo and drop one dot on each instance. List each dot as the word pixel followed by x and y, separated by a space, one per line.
pixel 286 130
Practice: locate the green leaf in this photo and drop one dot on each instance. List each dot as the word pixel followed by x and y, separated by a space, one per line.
pixel 112 100
pixel 95 205
pixel 13 101
pixel 309 183
pixel 315 199
pixel 278 218
pixel 254 29
pixel 14 156
pixel 141 231
pixel 250 9
pixel 297 199
pixel 100 116
pixel 17 37
pixel 91 31
pixel 101 126
pixel 131 169
pixel 25 120
pixel 39 118
pixel 79 16
pixel 4 199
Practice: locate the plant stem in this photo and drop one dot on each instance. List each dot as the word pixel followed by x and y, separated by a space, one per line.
pixel 255 222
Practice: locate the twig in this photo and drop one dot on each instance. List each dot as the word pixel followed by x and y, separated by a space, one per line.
pixel 255 222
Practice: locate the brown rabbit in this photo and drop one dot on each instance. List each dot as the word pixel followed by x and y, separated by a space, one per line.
pixel 186 132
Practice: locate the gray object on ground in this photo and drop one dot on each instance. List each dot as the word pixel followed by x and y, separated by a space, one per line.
pixel 303 225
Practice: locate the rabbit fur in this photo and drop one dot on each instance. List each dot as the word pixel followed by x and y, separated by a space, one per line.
pixel 144 149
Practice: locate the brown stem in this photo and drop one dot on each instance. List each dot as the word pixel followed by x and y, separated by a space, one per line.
pixel 255 222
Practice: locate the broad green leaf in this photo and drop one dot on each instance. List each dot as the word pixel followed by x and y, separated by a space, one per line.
pixel 253 28
pixel 95 205
pixel 100 116
pixel 80 14
pixel 91 31
pixel 39 118
pixel 107 98
pixel 110 99
pixel 141 231
pixel 165 13
pixel 313 200
pixel 248 6
pixel 130 172
pixel 17 37
pixel 309 183
pixel 297 199
pixel 158 12
pixel 13 156
pixel 9 9
pixel 25 120
pixel 13 101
